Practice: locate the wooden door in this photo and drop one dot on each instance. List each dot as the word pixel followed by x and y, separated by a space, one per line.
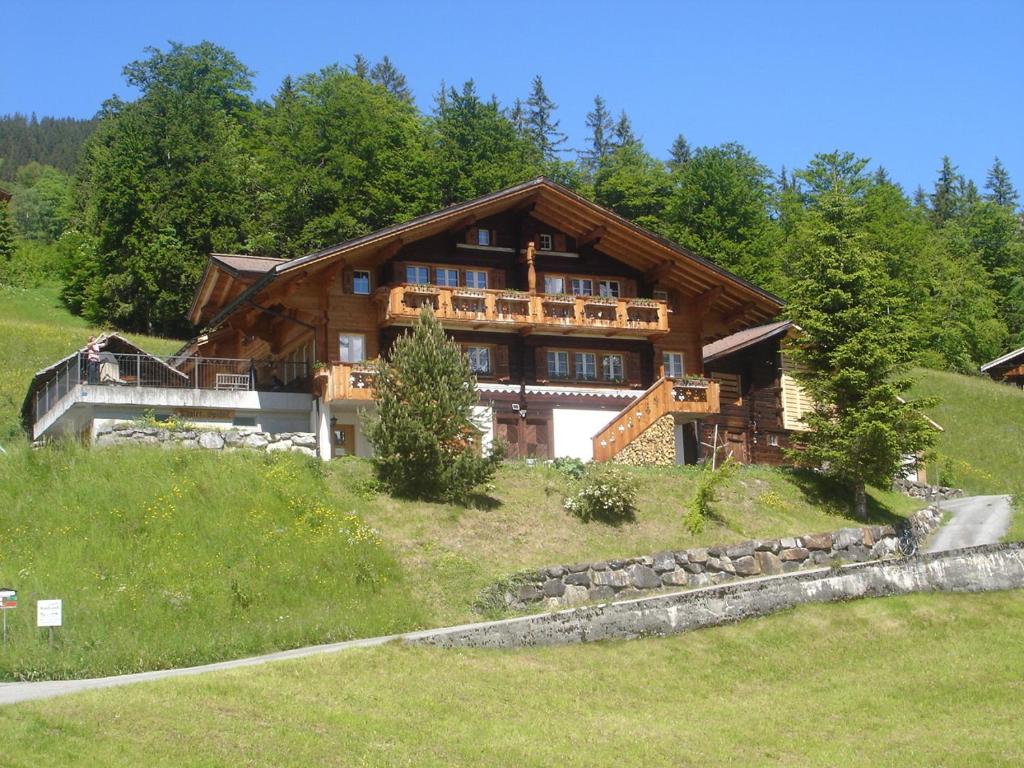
pixel 736 444
pixel 536 438
pixel 526 439
pixel 507 429
pixel 344 439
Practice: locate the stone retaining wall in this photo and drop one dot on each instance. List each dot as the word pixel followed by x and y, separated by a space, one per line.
pixel 564 585
pixel 130 433
pixel 976 569
pixel 930 493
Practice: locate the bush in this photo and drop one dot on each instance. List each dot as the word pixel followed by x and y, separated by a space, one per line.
pixel 425 441
pixel 605 493
pixel 569 466
pixel 699 509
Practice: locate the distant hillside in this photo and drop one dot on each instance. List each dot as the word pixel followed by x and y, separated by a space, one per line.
pixel 52 141
pixel 982 448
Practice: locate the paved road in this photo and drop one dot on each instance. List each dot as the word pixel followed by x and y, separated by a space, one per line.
pixel 976 520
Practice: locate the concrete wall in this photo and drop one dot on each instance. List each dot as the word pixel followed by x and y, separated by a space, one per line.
pixel 211 439
pixel 978 569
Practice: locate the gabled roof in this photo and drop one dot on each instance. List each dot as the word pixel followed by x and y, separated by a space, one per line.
pixel 240 263
pixel 745 338
pixel 1008 360
pixel 559 207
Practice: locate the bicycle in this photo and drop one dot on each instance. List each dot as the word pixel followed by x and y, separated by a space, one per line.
pixel 907 542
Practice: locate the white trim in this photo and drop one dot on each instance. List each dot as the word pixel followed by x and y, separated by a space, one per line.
pixel 1008 356
pixel 633 394
pixel 495 248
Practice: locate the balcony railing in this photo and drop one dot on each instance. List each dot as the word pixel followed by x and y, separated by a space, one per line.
pixel 494 309
pixel 351 381
pixel 118 369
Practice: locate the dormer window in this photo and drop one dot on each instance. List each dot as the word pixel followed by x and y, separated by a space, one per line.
pixel 546 242
pixel 483 237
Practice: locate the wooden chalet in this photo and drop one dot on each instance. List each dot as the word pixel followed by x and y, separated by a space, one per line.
pixel 1009 368
pixel 582 328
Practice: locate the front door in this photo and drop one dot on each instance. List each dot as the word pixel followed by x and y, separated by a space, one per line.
pixel 736 446
pixel 344 439
pixel 526 438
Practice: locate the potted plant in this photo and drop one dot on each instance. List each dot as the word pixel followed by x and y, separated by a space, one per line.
pixel 644 302
pixel 320 377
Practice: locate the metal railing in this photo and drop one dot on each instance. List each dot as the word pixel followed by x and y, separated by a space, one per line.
pixel 117 369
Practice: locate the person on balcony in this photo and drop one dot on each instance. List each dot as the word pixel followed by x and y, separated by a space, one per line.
pixel 92 358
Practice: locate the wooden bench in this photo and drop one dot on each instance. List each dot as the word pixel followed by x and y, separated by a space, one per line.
pixel 233 381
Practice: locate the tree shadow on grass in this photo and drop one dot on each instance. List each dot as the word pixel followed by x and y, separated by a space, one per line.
pixel 482 502
pixel 837 499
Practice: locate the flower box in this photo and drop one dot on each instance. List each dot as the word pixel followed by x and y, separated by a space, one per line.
pixel 644 303
pixel 558 298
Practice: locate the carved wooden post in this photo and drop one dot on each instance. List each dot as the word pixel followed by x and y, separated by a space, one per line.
pixel 531 272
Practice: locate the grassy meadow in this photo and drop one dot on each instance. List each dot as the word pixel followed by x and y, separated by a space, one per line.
pixel 923 680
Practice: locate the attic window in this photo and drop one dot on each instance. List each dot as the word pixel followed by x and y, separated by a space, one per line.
pixel 546 242
pixel 483 237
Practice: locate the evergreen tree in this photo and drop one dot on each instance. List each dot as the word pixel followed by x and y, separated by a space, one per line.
pixel 999 187
pixel 517 116
pixel 920 198
pixel 387 75
pixel 852 351
pixel 423 433
pixel 945 200
pixel 361 67
pixel 623 130
pixel 679 154
pixel 599 122
pixel 6 234
pixel 540 122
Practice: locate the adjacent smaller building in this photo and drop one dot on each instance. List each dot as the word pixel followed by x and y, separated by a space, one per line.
pixel 1009 368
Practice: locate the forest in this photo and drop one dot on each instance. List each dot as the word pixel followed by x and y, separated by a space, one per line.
pixel 124 208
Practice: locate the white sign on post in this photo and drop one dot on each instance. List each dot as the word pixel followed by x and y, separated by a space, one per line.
pixel 49 613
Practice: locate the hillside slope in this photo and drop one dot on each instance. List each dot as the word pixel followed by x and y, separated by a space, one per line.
pixel 982 447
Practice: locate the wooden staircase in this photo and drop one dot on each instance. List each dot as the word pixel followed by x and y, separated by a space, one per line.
pixel 690 396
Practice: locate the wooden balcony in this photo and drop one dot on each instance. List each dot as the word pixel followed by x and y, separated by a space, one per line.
pixel 504 310
pixel 350 381
pixel 692 397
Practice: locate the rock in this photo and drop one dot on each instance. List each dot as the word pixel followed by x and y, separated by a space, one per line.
pixel 579 567
pixel 869 537
pixel 600 593
pixel 700 580
pixel 713 565
pixel 577 579
pixel 682 558
pixel 528 593
pixel 694 567
pixel 743 549
pixel 283 445
pixel 790 543
pixel 304 439
pixel 108 438
pixel 664 561
pixel 556 572
pixel 303 451
pixel 554 588
pixel 794 554
pixel 256 440
pixel 675 579
pixel 643 577
pixel 599 566
pixel 617 565
pixel 885 530
pixel 233 437
pixel 820 557
pixel 884 548
pixel 697 555
pixel 791 565
pixel 858 553
pixel 122 426
pixel 768 562
pixel 716 551
pixel 771 545
pixel 847 537
pixel 211 441
pixel 575 595
pixel 617 579
pixel 746 566
pixel 818 541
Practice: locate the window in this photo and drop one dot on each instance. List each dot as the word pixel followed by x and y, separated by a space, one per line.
pixel 586 366
pixel 554 284
pixel 608 288
pixel 361 281
pixel 479 359
pixel 476 278
pixel 613 369
pixel 582 286
pixel 673 363
pixel 483 237
pixel 558 365
pixel 660 295
pixel 351 347
pixel 446 277
pixel 546 242
pixel 773 440
pixel 417 275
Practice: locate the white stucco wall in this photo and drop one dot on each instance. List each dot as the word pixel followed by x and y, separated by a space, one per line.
pixel 483 417
pixel 574 429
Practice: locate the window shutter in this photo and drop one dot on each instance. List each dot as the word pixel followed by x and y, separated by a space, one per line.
pixel 628 288
pixel 634 372
pixel 558 242
pixel 346 280
pixel 494 237
pixel 496 278
pixel 471 235
pixel 541 358
pixel 501 362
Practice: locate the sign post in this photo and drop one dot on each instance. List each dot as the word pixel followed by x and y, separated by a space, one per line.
pixel 8 600
pixel 49 613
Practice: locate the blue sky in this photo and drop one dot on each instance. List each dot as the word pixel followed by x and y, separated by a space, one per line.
pixel 900 82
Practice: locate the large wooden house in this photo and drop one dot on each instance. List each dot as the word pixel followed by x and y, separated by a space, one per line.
pixel 1008 368
pixel 583 328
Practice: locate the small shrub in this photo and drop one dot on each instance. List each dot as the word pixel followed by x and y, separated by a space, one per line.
pixel 604 493
pixel 704 495
pixel 569 466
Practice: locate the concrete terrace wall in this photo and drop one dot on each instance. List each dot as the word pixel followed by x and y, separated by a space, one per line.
pixel 130 433
pixel 977 569
pixel 564 585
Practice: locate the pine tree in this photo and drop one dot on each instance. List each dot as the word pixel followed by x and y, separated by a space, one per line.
pixel 853 351
pixel 423 433
pixel 679 154
pixel 542 126
pixel 1000 188
pixel 517 116
pixel 623 131
pixel 361 67
pixel 920 198
pixel 945 200
pixel 599 121
pixel 386 74
pixel 6 234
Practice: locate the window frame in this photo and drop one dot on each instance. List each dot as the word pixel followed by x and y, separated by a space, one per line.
pixel 579 357
pixel 601 288
pixel 483 235
pixel 622 367
pixel 550 241
pixel 773 440
pixel 553 354
pixel 665 355
pixel 411 267
pixel 369 282
pixel 576 286
pixel 362 344
pixel 560 279
pixel 477 272
pixel 447 272
pixel 486 348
